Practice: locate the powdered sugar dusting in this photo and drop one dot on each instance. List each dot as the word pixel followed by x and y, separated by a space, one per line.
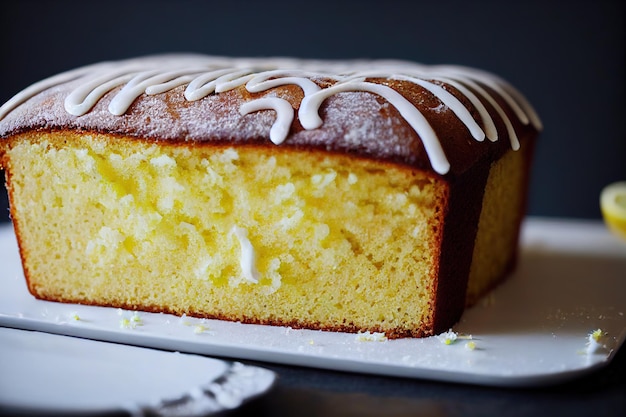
pixel 389 110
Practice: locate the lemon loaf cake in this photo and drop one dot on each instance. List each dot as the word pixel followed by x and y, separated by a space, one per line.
pixel 380 196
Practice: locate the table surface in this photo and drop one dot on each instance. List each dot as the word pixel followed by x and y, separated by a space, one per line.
pixel 306 392
pixel 311 392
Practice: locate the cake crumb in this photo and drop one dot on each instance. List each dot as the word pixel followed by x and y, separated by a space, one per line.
pixel 199 328
pixel 136 319
pixel 371 337
pixel 127 322
pixel 448 338
pixel 183 320
pixel 593 341
pixel 74 316
pixel 471 345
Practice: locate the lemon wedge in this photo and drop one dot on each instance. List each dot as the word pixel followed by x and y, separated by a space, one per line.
pixel 613 207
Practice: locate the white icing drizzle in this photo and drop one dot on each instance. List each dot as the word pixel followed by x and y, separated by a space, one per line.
pixel 524 104
pixel 261 82
pixel 490 128
pixel 83 98
pixel 247 259
pixel 205 75
pixel 39 87
pixel 507 122
pixel 497 86
pixel 155 82
pixel 453 103
pixel 284 115
pixel 204 84
pixel 310 118
pixel 232 80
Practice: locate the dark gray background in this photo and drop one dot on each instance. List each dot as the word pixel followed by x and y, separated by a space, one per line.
pixel 566 56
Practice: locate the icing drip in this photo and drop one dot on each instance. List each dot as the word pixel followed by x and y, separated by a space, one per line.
pixel 204 75
pixel 248 256
pixel 490 128
pixel 310 119
pixel 284 115
pixel 262 82
pixel 204 84
pixel 507 122
pixel 453 103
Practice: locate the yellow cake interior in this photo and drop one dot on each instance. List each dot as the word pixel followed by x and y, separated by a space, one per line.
pixel 343 242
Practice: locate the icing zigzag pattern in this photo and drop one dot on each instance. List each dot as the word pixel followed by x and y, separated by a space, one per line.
pixel 205 75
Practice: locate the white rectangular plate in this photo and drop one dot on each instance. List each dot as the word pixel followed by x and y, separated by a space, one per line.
pixel 532 330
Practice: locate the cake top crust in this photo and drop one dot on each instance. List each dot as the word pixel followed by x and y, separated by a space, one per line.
pixel 443 118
